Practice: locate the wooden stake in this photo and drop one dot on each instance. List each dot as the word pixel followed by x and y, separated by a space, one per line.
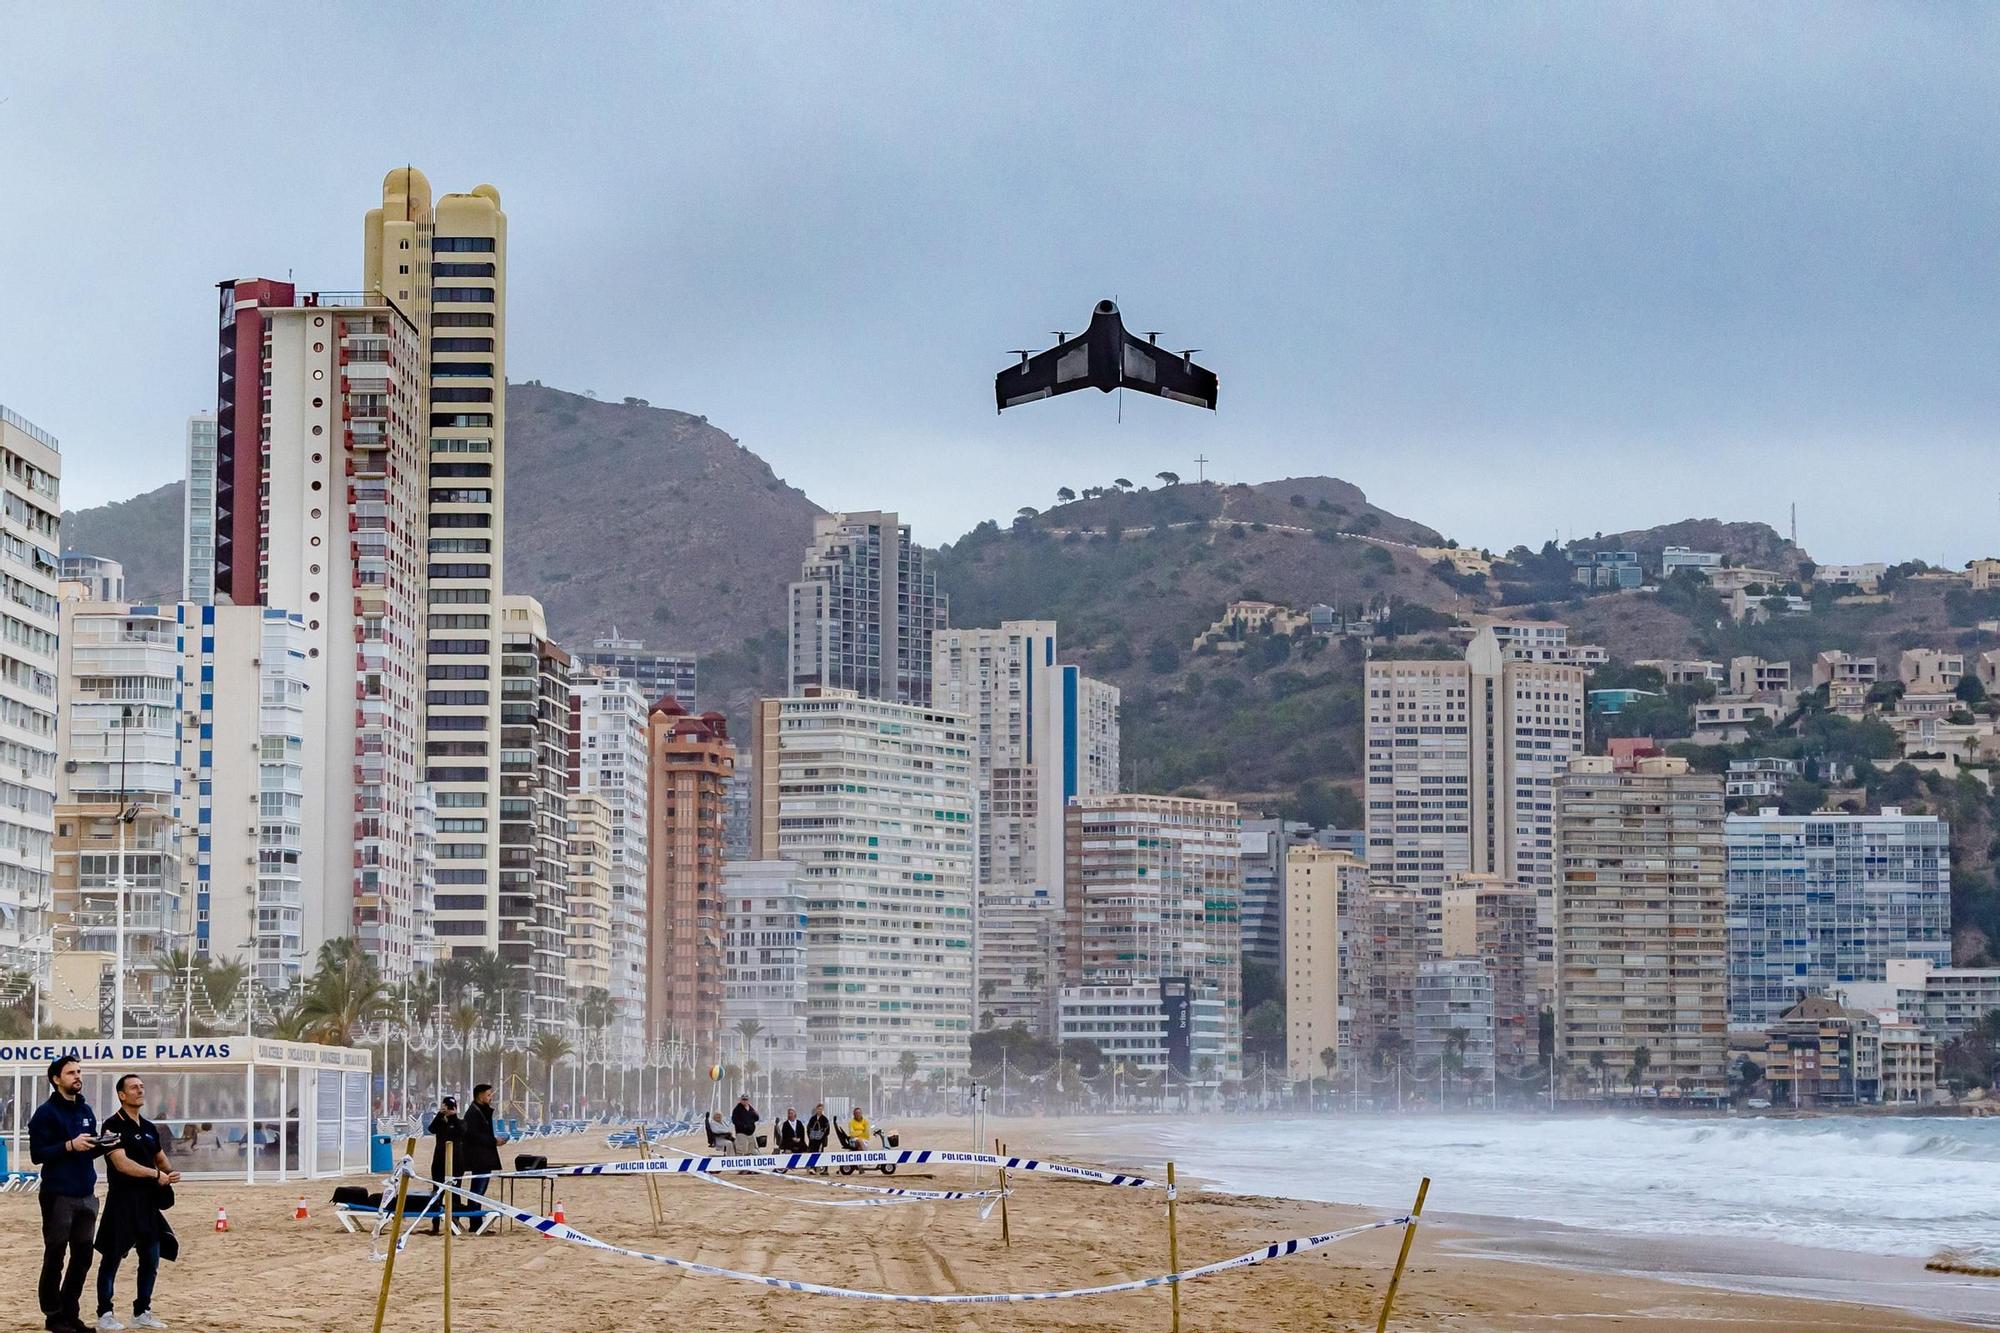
pixel 652 1181
pixel 1006 1237
pixel 1173 1245
pixel 447 1201
pixel 395 1234
pixel 1409 1234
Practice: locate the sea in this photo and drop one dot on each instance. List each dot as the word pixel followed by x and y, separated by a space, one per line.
pixel 1879 1185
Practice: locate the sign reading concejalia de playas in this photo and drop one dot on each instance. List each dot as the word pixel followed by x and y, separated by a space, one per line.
pixel 88 1050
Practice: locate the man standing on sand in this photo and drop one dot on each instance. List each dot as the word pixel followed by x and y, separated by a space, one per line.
pixel 743 1120
pixel 63 1140
pixel 481 1144
pixel 141 1184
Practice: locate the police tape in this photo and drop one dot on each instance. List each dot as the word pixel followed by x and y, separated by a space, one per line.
pixel 806 1178
pixel 1282 1249
pixel 871 1157
pixel 895 1196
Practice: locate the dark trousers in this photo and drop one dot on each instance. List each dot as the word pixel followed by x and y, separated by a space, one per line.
pixel 149 1270
pixel 69 1224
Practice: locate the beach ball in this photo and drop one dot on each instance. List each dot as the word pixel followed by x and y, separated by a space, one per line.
pixel 715 1073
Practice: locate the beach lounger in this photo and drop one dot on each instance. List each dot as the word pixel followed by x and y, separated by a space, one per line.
pixel 463 1220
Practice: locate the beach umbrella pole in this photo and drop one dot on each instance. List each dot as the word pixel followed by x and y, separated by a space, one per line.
pixel 395 1234
pixel 1402 1257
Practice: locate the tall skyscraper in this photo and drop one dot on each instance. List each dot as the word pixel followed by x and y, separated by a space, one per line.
pixel 1485 918
pixel 587 947
pixel 874 801
pixel 1154 892
pixel 534 808
pixel 691 761
pixel 656 673
pixel 32 468
pixel 612 763
pixel 1265 842
pixel 864 611
pixel 1463 762
pixel 325 517
pixel 1317 882
pixel 443 264
pixel 1639 937
pixel 764 963
pixel 1820 901
pixel 198 512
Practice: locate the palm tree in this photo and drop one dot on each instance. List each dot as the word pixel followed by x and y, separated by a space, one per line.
pixel 1454 1053
pixel 1642 1056
pixel 464 1021
pixel 1204 1069
pixel 907 1065
pixel 1598 1063
pixel 223 982
pixel 344 993
pixel 593 1015
pixel 550 1048
pixel 1329 1057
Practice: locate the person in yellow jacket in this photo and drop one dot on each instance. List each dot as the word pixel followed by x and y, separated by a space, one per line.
pixel 859 1129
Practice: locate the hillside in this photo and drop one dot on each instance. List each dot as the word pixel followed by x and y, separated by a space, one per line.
pixel 1755 544
pixel 144 532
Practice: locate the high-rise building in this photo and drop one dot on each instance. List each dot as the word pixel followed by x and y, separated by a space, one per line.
pixel 443 264
pixel 325 517
pixel 119 727
pixel 33 466
pixel 587 944
pixel 1265 843
pixel 1639 939
pixel 198 512
pixel 1155 892
pixel 611 762
pixel 1317 884
pixel 1819 901
pixel 657 674
pixel 1485 917
pixel 534 809
pixel 1463 762
pixel 1454 1018
pixel 1391 934
pixel 874 801
pixel 691 759
pixel 1045 735
pixel 864 611
pixel 764 963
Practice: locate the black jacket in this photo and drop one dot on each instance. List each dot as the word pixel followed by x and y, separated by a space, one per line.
pixel 54 1124
pixel 791 1136
pixel 131 1205
pixel 447 1127
pixel 481 1146
pixel 818 1131
pixel 743 1119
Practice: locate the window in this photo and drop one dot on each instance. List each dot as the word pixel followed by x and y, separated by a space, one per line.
pixel 461 419
pixel 461 571
pixel 454 699
pixel 460 345
pixel 460 545
pixel 454 495
pixel 461 470
pixel 455 671
pixel 462 245
pixel 461 395
pixel 461 368
pixel 462 319
pixel 476 295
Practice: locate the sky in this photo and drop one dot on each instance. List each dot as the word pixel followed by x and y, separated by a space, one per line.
pixel 1518 271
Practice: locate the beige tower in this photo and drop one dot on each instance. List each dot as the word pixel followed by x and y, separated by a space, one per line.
pixel 444 264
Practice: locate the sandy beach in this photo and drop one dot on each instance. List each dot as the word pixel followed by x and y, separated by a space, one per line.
pixel 273 1273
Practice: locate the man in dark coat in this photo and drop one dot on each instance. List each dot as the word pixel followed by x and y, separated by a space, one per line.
pixel 63 1140
pixel 743 1120
pixel 141 1184
pixel 446 1128
pixel 482 1144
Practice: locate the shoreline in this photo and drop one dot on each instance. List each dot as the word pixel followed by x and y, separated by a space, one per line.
pixel 1756 1267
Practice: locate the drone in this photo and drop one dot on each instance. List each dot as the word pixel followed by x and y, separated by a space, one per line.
pixel 1106 357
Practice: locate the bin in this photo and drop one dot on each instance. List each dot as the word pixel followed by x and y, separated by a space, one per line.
pixel 381 1154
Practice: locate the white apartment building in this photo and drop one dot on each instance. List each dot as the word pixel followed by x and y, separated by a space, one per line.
pixel 1945 1000
pixel 198 511
pixel 1128 1024
pixel 864 610
pixel 1464 758
pixel 30 507
pixel 1317 882
pixel 1454 1004
pixel 1155 892
pixel 1930 670
pixel 764 925
pixel 874 801
pixel 610 714
pixel 1676 558
pixel 1019 932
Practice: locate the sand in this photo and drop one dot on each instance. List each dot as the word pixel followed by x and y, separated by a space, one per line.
pixel 273 1273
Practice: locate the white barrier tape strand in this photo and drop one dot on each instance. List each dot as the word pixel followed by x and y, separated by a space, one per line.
pixel 911 1196
pixel 800 1161
pixel 555 1230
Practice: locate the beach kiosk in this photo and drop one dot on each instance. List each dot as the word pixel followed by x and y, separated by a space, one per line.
pixel 229 1107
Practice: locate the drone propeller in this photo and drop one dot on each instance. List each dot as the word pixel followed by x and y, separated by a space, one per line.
pixel 1023 353
pixel 1060 334
pixel 1153 337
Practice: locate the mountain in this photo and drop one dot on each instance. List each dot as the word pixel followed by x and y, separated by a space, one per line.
pixel 617 513
pixel 1754 544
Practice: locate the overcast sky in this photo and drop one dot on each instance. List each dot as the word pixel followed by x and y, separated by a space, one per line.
pixel 1512 269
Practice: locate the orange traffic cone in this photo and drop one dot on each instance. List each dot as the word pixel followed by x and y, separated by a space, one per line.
pixel 221 1218
pixel 559 1213
pixel 299 1213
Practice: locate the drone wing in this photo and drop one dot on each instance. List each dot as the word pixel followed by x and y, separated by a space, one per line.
pixel 1064 368
pixel 1153 369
